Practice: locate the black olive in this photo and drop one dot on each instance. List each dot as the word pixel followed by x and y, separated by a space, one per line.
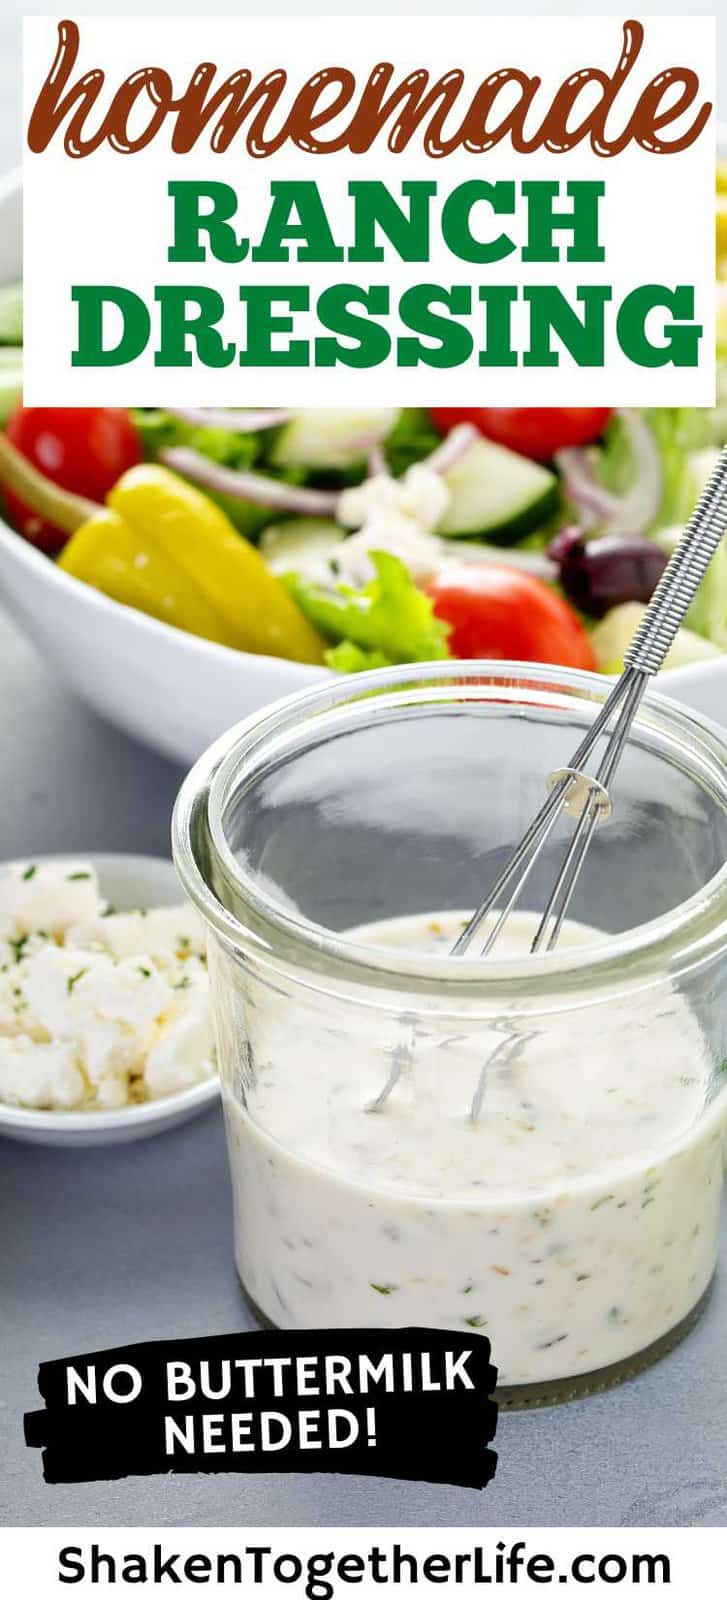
pixel 597 574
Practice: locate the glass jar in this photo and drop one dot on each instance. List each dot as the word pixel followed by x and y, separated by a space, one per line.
pixel 526 1145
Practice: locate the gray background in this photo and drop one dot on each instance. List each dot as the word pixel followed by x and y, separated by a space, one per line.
pixel 100 1248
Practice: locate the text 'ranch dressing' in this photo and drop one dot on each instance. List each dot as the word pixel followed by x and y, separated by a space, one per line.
pixel 564 1201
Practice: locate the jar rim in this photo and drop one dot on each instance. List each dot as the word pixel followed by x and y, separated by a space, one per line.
pixel 676 940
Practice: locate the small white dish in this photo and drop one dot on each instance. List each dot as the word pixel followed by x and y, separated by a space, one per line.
pixel 128 883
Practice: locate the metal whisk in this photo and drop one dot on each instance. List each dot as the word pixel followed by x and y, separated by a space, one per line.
pixel 572 789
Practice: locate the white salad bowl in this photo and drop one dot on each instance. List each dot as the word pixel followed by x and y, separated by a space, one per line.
pixel 129 883
pixel 170 689
pixel 173 691
pixel 702 687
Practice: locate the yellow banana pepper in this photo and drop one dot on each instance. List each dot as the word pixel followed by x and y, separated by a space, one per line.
pixel 721 235
pixel 109 554
pixel 169 515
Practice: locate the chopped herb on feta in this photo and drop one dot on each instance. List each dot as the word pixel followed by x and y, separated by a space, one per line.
pixel 98 1008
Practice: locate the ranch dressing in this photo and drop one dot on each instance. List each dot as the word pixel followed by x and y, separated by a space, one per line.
pixel 563 1196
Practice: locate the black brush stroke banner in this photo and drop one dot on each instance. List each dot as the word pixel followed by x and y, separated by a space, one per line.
pixel 417 1431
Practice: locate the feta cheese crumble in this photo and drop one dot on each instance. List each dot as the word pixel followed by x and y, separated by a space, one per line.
pixel 398 515
pixel 98 1009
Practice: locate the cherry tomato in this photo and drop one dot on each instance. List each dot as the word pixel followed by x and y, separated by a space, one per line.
pixel 84 450
pixel 503 614
pixel 536 431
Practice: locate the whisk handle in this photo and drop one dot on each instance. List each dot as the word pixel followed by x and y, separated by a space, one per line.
pixel 680 580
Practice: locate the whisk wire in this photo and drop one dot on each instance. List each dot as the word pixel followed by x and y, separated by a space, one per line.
pixel 536 837
pixel 565 884
pixel 572 788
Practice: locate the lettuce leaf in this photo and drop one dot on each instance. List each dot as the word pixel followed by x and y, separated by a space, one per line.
pixel 707 614
pixel 411 439
pixel 159 430
pixel 683 432
pixel 389 620
pixel 678 432
pixel 11 314
pixel 349 657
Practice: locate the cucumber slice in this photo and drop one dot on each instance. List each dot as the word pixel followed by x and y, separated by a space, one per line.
pixel 330 440
pixel 300 545
pixel 496 495
pixel 11 313
pixel 11 381
pixel 611 638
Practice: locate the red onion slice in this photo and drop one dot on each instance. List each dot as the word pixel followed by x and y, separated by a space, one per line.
pixel 440 460
pixel 252 486
pixel 581 487
pixel 630 513
pixel 377 465
pixel 456 444
pixel 235 421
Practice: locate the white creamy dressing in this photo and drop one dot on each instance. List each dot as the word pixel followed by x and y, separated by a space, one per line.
pixel 562 1196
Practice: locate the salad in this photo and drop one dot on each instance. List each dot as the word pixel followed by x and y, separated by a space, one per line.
pixel 359 539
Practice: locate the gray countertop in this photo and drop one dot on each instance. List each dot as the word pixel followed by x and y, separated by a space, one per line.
pixel 106 1247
